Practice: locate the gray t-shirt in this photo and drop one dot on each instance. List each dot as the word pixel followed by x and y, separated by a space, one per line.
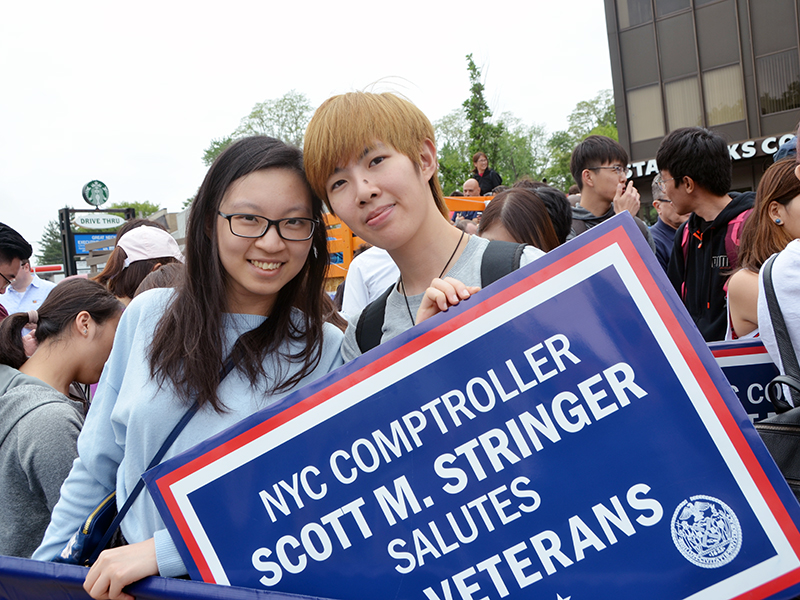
pixel 398 317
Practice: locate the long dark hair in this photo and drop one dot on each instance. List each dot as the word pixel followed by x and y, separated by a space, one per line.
pixel 523 214
pixel 188 345
pixel 55 315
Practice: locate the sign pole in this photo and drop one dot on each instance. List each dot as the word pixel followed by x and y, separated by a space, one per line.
pixel 67 242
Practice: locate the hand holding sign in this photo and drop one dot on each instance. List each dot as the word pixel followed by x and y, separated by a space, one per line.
pixel 441 295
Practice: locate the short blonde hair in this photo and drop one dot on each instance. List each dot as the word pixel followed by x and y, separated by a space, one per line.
pixel 343 126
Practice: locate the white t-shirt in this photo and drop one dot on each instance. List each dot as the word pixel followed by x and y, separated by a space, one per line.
pixel 786 281
pixel 370 274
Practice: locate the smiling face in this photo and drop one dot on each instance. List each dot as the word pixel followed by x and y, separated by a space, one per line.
pixel 383 196
pixel 481 164
pixel 256 269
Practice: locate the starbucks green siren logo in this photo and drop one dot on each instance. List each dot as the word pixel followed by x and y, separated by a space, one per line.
pixel 95 193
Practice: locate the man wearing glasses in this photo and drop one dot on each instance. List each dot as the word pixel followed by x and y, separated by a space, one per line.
pixel 669 220
pixel 599 167
pixel 13 250
pixel 695 172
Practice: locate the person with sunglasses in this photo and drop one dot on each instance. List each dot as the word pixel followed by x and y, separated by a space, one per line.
pixel 663 231
pixel 13 250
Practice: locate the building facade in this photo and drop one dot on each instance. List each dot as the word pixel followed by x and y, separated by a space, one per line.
pixel 732 66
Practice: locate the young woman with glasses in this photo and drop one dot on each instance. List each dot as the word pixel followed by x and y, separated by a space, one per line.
pixel 256 254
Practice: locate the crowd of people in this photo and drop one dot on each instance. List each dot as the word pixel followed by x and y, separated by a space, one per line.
pixel 241 318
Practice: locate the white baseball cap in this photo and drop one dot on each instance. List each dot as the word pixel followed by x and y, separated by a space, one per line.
pixel 145 243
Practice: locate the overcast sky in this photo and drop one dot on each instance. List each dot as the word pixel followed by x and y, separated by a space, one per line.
pixel 132 93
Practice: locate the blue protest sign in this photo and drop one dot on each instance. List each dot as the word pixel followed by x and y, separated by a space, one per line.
pixel 564 433
pixel 81 239
pixel 749 369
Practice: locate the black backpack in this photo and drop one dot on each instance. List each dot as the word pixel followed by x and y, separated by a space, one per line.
pixel 499 259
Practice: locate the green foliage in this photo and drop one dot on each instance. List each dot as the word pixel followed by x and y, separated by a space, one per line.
pixel 215 148
pixel 589 117
pixel 560 146
pixel 452 142
pixel 50 247
pixel 521 150
pixel 515 150
pixel 483 135
pixel 285 118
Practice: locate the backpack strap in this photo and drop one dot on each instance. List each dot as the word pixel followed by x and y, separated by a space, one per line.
pixel 685 241
pixel 791 368
pixel 227 367
pixel 684 227
pixel 499 259
pixel 369 329
pixel 733 236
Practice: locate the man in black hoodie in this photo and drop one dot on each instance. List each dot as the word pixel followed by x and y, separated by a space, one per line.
pixel 695 173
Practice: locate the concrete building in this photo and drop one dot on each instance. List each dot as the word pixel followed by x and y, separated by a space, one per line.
pixel 730 65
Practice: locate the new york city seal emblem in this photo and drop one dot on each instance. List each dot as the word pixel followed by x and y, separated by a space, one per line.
pixel 706 532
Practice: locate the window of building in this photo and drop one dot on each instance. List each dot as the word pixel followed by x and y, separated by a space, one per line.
pixel 683 103
pixel 633 12
pixel 724 95
pixel 645 114
pixel 778 77
pixel 667 7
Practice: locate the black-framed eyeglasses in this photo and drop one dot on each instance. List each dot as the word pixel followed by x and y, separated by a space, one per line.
pixel 8 281
pixel 662 183
pixel 618 169
pixel 292 229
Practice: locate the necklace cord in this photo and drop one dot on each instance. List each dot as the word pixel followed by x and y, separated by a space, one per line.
pixel 447 264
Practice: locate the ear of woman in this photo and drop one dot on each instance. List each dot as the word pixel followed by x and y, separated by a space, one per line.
pixel 82 321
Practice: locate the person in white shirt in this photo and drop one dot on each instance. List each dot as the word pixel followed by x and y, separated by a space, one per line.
pixel 370 274
pixel 26 292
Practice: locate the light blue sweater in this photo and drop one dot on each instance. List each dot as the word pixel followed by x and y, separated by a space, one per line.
pixel 131 417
